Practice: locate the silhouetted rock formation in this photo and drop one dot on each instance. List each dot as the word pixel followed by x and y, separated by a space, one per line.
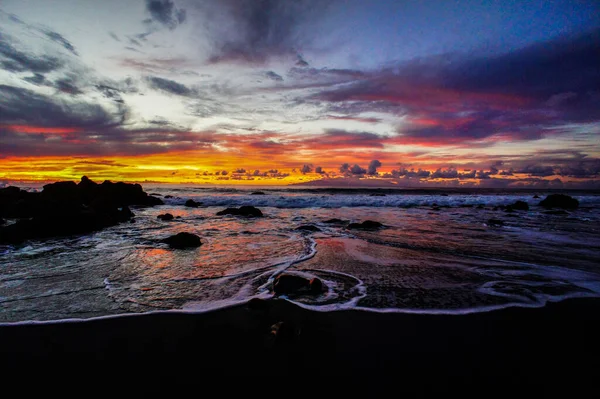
pixel 183 240
pixel 308 227
pixel 316 285
pixel 290 284
pixel 560 201
pixel 241 211
pixel 165 216
pixel 67 208
pixel 192 204
pixel 536 196
pixel 257 193
pixel 520 206
pixel 334 221
pixel 366 225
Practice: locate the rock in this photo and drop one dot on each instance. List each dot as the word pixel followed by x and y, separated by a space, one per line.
pixel 435 208
pixel 508 209
pixel 258 304
pixel 443 195
pixel 165 216
pixel 283 331
pixel 366 225
pixel 183 240
pixel 168 196
pixel 495 222
pixel 249 211
pixel 560 201
pixel 334 221
pixel 557 212
pixel 155 195
pixel 536 196
pixel 520 206
pixel 466 206
pixel 290 284
pixel 192 204
pixel 2 221
pixel 177 217
pixel 316 285
pixel 308 227
pixel 257 193
pixel 480 206
pixel 376 195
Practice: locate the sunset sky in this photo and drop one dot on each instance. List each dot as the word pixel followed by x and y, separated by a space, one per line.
pixel 403 93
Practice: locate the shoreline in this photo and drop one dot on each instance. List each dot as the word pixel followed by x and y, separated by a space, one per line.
pixel 512 343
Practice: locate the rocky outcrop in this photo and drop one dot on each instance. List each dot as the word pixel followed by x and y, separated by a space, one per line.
pixel 67 208
pixel 248 211
pixel 366 225
pixel 257 193
pixel 308 227
pixel 192 204
pixel 165 216
pixel 183 240
pixel 334 221
pixel 560 201
pixel 289 284
pixel 520 206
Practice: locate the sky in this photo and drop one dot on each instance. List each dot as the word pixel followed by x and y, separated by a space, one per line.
pixel 332 92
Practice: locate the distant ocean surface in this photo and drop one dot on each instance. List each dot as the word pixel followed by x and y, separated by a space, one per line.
pixel 438 253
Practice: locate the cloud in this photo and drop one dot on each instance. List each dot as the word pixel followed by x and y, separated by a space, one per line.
pixel 373 165
pixel 17 61
pixel 166 13
pixel 273 76
pixel 306 169
pixel 36 79
pixel 58 38
pixel 169 86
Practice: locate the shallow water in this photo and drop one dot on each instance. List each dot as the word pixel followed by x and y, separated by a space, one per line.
pixel 425 260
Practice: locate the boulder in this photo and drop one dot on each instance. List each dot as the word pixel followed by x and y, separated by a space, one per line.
pixel 183 240
pixel 257 193
pixel 560 201
pixel 192 204
pixel 308 227
pixel 168 196
pixel 536 196
pixel 316 285
pixel 520 206
pixel 366 225
pixel 290 284
pixel 165 216
pixel 495 222
pixel 249 211
pixel 334 221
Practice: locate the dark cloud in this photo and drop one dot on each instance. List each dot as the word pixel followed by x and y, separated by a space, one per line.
pixel 17 61
pixel 134 42
pixel 114 36
pixel 273 76
pixel 306 168
pixel 319 170
pixel 36 79
pixel 260 28
pixel 58 38
pixel 67 85
pixel 373 165
pixel 166 13
pixel 169 86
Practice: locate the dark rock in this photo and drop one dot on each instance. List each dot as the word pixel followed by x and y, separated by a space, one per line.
pixel 480 206
pixel 536 196
pixel 192 204
pixel 290 284
pixel 366 225
pixel 308 227
pixel 165 216
pixel 560 201
pixel 257 193
pixel 376 195
pixel 177 217
pixel 495 222
pixel 466 206
pixel 2 221
pixel 443 195
pixel 316 285
pixel 334 221
pixel 520 206
pixel 258 304
pixel 557 212
pixel 183 240
pixel 132 221
pixel 168 196
pixel 155 195
pixel 508 209
pixel 435 208
pixel 249 211
pixel 283 331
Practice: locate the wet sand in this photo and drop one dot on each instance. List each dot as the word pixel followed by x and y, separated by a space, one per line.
pixel 523 345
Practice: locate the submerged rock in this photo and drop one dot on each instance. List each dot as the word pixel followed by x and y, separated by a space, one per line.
pixel 366 225
pixel 192 204
pixel 290 284
pixel 308 227
pixel 520 206
pixel 249 211
pixel 183 240
pixel 495 222
pixel 560 201
pixel 165 216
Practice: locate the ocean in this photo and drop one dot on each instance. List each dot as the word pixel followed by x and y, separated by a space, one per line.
pixel 437 253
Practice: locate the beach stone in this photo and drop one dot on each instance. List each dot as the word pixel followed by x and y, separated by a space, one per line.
pixel 165 217
pixel 560 201
pixel 257 193
pixel 249 211
pixel 289 284
pixel 520 206
pixel 495 222
pixel 316 285
pixel 308 227
pixel 334 221
pixel 192 204
pixel 183 240
pixel 366 225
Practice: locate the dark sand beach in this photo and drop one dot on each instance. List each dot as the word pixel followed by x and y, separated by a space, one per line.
pixel 519 345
